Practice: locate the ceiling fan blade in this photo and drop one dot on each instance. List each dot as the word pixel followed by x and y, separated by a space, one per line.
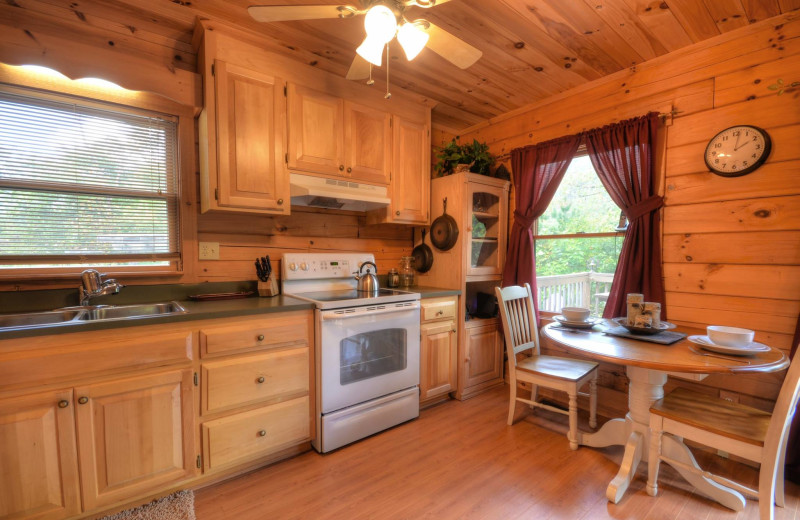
pixel 283 13
pixel 359 69
pixel 453 49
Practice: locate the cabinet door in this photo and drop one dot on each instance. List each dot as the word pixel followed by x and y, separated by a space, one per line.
pixel 316 135
pixel 38 461
pixel 411 172
pixel 251 114
pixel 437 359
pixel 486 229
pixel 482 361
pixel 367 144
pixel 135 435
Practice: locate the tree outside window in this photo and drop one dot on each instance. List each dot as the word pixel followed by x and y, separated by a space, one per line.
pixel 577 240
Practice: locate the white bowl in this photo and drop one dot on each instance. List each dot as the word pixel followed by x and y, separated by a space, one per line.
pixel 730 336
pixel 576 313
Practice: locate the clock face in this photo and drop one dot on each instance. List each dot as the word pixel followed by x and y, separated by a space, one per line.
pixel 737 150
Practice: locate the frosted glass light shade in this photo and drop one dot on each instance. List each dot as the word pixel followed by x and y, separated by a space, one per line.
pixel 380 23
pixel 371 49
pixel 412 39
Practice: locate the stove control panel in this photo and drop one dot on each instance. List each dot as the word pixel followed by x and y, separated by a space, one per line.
pixel 314 266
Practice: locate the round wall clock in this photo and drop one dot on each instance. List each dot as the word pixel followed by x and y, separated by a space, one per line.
pixel 737 150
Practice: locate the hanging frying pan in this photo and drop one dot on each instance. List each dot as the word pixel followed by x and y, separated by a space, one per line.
pixel 444 230
pixel 423 256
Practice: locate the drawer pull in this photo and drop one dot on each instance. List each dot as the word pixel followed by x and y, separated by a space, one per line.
pixel 260 337
pixel 260 379
pixel 63 403
pixel 262 433
pixel 83 400
pixel 439 313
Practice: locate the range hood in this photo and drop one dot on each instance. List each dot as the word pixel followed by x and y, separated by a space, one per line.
pixel 320 192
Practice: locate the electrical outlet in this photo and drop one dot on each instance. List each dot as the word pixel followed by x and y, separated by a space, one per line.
pixel 209 250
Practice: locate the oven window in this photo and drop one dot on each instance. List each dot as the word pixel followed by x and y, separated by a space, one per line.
pixel 372 354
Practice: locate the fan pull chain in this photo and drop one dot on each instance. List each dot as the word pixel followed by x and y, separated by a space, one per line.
pixel 388 94
pixel 370 81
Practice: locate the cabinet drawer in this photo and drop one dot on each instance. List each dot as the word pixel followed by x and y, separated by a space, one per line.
pixel 438 309
pixel 275 330
pixel 53 358
pixel 275 375
pixel 257 433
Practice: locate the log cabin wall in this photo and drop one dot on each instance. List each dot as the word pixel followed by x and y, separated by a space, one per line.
pixel 731 245
pixel 140 50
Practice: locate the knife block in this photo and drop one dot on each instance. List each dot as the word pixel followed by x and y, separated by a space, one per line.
pixel 268 288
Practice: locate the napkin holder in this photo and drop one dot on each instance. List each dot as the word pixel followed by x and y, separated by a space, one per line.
pixel 269 288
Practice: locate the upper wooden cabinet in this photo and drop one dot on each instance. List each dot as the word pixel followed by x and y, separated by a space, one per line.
pixel 368 143
pixel 316 136
pixel 242 130
pixel 410 181
pixel 332 137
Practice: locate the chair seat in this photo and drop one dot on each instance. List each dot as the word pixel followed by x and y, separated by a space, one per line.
pixel 715 415
pixel 567 369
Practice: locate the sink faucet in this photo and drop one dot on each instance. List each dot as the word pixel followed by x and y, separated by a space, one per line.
pixel 92 285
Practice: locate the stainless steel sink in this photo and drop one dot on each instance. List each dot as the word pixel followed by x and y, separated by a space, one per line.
pixel 38 319
pixel 77 315
pixel 128 312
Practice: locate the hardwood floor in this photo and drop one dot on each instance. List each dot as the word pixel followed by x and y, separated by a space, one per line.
pixel 461 460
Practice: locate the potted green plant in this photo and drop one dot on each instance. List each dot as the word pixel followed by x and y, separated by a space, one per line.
pixel 474 157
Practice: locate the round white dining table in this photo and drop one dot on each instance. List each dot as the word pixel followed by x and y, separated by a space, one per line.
pixel 647 367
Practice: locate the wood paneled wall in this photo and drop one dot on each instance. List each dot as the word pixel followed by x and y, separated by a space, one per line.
pixel 731 245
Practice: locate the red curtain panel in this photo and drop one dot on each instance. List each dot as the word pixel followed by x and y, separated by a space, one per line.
pixel 623 156
pixel 537 171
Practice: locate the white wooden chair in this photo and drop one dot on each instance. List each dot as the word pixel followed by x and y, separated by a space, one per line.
pixel 557 373
pixel 737 429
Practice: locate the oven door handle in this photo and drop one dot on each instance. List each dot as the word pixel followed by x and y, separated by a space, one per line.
pixel 338 315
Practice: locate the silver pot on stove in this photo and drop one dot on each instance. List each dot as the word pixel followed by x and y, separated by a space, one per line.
pixel 367 282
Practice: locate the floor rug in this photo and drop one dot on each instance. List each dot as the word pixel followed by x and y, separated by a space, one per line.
pixel 177 506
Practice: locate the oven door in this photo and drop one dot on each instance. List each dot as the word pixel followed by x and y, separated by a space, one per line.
pixel 367 352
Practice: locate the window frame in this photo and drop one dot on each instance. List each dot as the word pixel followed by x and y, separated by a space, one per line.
pixel 16 80
pixel 581 152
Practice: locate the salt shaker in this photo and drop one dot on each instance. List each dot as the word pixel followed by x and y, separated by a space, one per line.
pixel 393 278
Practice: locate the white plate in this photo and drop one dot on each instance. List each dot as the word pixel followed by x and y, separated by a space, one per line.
pixel 591 322
pixel 707 344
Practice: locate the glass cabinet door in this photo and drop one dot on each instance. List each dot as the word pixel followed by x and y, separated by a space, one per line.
pixel 486 225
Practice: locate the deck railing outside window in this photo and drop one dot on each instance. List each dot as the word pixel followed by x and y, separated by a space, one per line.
pixel 587 289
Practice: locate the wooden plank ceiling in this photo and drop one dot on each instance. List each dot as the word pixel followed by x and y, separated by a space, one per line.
pixel 532 49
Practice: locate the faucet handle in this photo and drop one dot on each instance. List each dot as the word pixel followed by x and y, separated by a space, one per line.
pixel 90 278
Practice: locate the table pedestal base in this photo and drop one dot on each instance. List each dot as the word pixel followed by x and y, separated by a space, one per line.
pixel 633 432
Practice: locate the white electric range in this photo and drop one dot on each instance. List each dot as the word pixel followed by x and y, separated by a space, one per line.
pixel 367 347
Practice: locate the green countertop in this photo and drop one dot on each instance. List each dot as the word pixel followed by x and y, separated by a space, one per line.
pixel 197 310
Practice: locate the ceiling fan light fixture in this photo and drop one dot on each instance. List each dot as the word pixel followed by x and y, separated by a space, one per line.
pixel 380 23
pixel 412 39
pixel 371 49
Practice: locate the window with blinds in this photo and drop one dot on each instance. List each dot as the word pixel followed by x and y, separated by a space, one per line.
pixel 86 186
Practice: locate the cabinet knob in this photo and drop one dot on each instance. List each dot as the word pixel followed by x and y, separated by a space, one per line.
pixel 466 360
pixel 280 202
pixel 453 331
pixel 349 169
pixel 260 379
pixel 260 337
pixel 83 400
pixel 262 433
pixel 63 403
pixel 341 167
pixel 397 213
pixel 439 313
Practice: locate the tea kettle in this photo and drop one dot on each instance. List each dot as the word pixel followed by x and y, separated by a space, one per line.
pixel 367 282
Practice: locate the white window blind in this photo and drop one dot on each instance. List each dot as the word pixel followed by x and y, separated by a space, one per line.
pixel 81 185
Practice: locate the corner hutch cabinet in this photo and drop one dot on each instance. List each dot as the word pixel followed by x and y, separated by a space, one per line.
pixel 474 265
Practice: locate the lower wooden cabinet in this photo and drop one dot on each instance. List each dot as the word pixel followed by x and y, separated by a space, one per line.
pixel 135 435
pixel 483 351
pixel 38 459
pixel 438 349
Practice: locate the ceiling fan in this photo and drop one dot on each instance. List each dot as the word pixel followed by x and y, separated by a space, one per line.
pixel 384 20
